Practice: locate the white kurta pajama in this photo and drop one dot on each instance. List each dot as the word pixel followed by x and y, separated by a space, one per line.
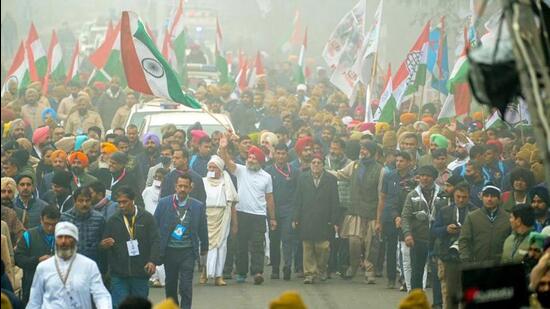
pixel 82 284
pixel 220 196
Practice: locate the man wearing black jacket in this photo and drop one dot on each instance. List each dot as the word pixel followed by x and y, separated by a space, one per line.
pixel 131 239
pixel 37 244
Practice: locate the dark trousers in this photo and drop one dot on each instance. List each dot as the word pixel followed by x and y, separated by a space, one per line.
pixel 250 239
pixel 390 236
pixel 230 258
pixel 419 257
pixel 284 235
pixel 339 255
pixel 178 264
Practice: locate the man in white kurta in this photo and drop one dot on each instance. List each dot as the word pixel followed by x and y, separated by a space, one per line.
pixel 68 279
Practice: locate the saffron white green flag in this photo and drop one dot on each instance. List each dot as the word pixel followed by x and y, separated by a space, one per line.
pixel 146 70
pixel 19 70
pixel 36 55
pixel 72 74
pixel 387 104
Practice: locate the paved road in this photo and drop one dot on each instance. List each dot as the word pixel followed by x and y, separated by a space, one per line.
pixel 332 294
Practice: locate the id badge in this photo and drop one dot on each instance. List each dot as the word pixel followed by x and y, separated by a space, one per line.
pixel 133 249
pixel 108 194
pixel 178 232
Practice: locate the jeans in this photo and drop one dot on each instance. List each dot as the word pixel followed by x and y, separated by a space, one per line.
pixel 390 235
pixel 122 287
pixel 250 239
pixel 178 264
pixel 419 257
pixel 285 235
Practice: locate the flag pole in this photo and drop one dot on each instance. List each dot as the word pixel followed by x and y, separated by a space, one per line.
pixel 205 109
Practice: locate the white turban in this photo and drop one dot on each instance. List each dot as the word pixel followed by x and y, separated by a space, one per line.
pixel 66 229
pixel 217 161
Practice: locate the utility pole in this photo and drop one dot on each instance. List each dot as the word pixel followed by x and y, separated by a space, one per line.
pixel 533 68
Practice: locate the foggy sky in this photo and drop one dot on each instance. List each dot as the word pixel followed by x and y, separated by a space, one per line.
pixel 242 24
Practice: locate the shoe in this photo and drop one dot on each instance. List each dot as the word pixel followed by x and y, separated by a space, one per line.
pixel 219 282
pixel 308 280
pixel 241 279
pixel 258 279
pixel 286 273
pixel 203 279
pixel 275 275
pixel 391 285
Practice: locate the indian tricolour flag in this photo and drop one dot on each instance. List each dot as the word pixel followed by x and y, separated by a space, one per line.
pixel 36 55
pixel 18 71
pixel 412 72
pixel 256 72
pixel 106 58
pixel 460 97
pixel 221 62
pixel 300 75
pixel 147 71
pixel 387 105
pixel 56 68
pixel 72 74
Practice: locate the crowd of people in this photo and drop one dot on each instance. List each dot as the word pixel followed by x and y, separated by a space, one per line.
pixel 91 206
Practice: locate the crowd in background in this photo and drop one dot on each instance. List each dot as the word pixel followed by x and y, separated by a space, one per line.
pixel 302 180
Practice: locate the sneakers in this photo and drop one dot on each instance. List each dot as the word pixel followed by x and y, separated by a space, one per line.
pixel 286 273
pixel 308 280
pixel 241 279
pixel 258 279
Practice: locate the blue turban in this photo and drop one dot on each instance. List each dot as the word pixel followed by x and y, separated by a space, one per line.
pixel 79 140
pixel 151 136
pixel 49 111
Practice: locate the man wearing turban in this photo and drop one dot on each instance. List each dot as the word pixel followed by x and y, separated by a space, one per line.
pixel 78 163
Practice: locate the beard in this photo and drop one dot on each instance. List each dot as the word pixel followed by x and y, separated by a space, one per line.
pixel 7 202
pixel 253 166
pixel 65 252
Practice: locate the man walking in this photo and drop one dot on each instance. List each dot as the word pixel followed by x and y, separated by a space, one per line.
pixel 131 239
pixel 183 234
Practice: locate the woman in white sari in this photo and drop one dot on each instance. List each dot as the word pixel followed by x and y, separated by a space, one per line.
pixel 221 216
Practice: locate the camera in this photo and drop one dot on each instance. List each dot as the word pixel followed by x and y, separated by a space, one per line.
pixel 453 250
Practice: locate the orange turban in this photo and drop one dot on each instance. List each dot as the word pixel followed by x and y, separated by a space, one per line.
pixel 82 157
pixel 58 154
pixel 429 120
pixel 108 148
pixel 477 116
pixel 407 118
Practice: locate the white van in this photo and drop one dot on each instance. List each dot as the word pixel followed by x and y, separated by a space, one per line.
pixel 183 120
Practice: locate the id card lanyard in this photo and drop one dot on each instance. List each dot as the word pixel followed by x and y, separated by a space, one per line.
pixel 131 227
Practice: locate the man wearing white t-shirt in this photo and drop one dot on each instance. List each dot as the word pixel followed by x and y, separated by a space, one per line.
pixel 255 189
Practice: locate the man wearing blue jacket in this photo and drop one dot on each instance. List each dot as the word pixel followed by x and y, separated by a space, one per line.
pixel 183 234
